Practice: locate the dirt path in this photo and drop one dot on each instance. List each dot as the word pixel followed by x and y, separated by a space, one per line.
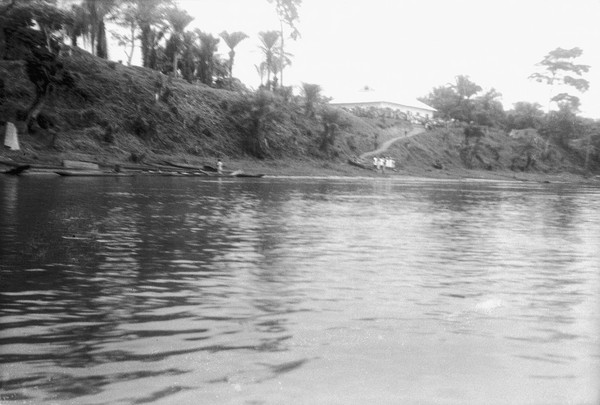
pixel 387 144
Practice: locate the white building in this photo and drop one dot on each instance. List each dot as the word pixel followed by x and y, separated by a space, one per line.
pixel 370 100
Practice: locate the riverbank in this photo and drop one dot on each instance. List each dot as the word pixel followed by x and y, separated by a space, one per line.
pixel 292 167
pixel 118 115
pixel 318 168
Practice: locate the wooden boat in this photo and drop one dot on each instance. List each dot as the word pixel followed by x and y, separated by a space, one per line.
pixel 186 167
pixel 91 173
pixel 358 164
pixel 248 175
pixel 15 171
pixel 76 164
pixel 211 171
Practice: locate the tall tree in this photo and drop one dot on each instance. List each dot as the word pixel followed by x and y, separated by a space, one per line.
pixel 188 56
pixel 126 18
pixel 178 19
pixel 97 11
pixel 558 68
pixel 232 40
pixel 465 89
pixel 268 41
pixel 287 10
pixel 206 63
pixel 150 19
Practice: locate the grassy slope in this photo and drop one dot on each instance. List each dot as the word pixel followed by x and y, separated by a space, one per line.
pixel 112 114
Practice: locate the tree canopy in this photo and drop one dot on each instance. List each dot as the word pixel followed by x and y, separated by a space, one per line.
pixel 558 68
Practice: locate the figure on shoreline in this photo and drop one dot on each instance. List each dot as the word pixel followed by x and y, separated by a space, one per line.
pixel 219 166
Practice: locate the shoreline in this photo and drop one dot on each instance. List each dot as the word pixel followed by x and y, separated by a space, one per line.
pixel 310 168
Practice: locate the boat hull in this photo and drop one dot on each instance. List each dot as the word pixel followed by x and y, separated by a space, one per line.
pixel 81 173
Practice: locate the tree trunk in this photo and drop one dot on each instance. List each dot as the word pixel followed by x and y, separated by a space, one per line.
pixel 175 58
pixel 145 45
pixel 152 56
pixel 269 63
pixel 102 51
pixel 231 56
pixel 130 55
pixel 281 56
pixel 35 109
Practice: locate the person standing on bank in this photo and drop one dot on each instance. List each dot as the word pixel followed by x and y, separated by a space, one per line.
pixel 219 166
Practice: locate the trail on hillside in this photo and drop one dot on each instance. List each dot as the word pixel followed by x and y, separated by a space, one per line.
pixel 387 144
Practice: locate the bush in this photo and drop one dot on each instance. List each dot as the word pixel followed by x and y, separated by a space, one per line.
pixel 254 114
pixel 143 128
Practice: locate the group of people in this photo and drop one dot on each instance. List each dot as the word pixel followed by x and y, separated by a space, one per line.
pixel 382 163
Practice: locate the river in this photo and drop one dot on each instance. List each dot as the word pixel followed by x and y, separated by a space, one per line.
pixel 169 290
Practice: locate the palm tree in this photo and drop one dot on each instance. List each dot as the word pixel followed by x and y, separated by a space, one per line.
pixel 178 19
pixel 288 14
pixel 312 93
pixel 261 68
pixel 279 64
pixel 465 89
pixel 232 40
pixel 97 10
pixel 269 40
pixel 206 64
pixel 188 56
pixel 148 15
pixel 78 25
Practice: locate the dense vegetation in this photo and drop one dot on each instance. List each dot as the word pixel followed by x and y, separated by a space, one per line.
pixel 185 99
pixel 78 99
pixel 561 130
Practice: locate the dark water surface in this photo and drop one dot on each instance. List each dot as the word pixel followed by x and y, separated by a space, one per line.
pixel 298 291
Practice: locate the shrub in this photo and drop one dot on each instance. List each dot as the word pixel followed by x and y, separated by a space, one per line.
pixel 143 128
pixel 254 113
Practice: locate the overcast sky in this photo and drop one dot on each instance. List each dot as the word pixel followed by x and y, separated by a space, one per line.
pixel 411 46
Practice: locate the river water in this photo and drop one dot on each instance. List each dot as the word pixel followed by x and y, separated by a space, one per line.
pixel 167 290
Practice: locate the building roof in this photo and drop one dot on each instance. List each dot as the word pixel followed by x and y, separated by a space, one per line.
pixel 372 96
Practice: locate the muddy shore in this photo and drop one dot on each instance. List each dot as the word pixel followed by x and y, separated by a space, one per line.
pixel 293 167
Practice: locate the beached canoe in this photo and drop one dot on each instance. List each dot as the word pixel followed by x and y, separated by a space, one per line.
pixel 359 164
pixel 248 175
pixel 90 173
pixel 186 167
pixel 15 171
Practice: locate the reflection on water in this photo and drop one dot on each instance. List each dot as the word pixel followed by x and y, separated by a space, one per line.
pixel 185 291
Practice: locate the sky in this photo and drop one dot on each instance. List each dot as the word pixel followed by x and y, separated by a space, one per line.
pixel 408 47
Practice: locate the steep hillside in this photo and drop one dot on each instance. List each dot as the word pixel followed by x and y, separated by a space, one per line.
pixel 118 112
pixel 113 113
pixel 496 150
